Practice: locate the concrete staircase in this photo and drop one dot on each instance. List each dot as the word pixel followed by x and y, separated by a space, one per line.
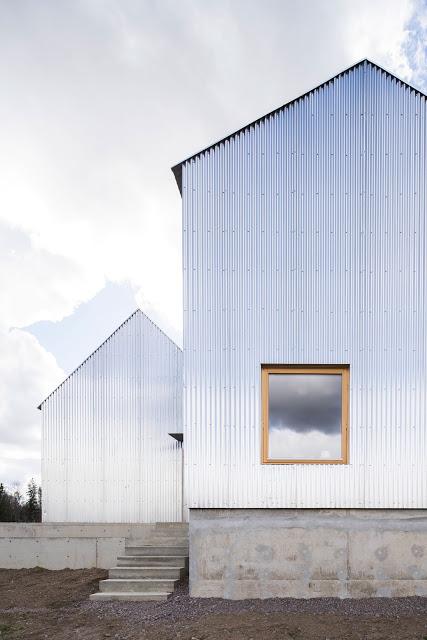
pixel 150 568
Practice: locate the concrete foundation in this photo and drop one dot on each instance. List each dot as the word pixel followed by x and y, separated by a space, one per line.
pixel 307 553
pixel 66 546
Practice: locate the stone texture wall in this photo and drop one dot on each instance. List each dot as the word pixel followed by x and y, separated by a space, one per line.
pixel 306 553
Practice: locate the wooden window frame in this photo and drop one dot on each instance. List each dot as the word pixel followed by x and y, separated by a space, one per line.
pixel 343 370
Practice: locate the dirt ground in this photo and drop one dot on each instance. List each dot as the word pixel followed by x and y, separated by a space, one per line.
pixel 38 604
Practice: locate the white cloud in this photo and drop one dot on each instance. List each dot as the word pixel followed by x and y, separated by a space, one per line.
pixel 17 471
pixel 379 30
pixel 36 284
pixel 414 46
pixel 27 374
pixel 313 445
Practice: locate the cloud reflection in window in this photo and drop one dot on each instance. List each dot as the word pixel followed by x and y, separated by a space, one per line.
pixel 305 416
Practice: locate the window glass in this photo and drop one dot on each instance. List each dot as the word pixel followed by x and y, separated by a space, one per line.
pixel 305 416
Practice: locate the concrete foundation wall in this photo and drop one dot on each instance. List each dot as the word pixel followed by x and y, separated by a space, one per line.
pixel 66 546
pixel 305 553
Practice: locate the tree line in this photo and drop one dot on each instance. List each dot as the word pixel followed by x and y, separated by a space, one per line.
pixel 15 507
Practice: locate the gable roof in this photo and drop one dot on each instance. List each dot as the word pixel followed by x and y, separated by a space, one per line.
pixel 177 169
pixel 132 315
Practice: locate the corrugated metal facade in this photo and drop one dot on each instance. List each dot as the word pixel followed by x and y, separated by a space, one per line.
pixel 106 452
pixel 305 242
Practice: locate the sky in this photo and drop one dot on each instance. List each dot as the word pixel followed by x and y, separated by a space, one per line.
pixel 99 100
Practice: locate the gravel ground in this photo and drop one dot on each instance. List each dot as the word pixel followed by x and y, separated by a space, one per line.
pixel 181 606
pixel 37 603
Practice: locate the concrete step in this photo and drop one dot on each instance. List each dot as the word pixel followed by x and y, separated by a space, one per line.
pixel 174 533
pixel 155 585
pixel 166 535
pixel 163 541
pixel 159 541
pixel 150 568
pixel 171 573
pixel 130 597
pixel 156 550
pixel 152 561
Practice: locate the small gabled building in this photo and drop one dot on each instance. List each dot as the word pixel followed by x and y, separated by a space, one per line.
pixel 305 355
pixel 107 455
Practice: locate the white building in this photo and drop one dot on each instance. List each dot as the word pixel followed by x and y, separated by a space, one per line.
pixel 305 360
pixel 107 455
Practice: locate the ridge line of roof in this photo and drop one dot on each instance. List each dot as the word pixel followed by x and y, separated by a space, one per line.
pixel 177 168
pixel 134 313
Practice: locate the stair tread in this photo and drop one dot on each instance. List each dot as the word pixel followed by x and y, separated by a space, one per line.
pixel 161 559
pixel 139 580
pixel 156 546
pixel 141 556
pixel 142 549
pixel 131 595
pixel 142 568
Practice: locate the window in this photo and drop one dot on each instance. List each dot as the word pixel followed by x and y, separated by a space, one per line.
pixel 304 414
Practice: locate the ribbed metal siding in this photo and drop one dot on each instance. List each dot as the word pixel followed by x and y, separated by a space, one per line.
pixel 106 453
pixel 305 242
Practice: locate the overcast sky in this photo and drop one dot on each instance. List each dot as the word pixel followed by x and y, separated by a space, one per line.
pixel 99 99
pixel 304 416
pixel 305 402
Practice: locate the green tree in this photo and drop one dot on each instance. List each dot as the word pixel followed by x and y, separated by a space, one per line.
pixel 13 508
pixel 32 507
pixel 10 505
pixel 4 504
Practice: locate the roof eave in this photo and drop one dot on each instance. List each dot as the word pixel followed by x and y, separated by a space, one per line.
pixel 177 172
pixel 138 310
pixel 177 169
